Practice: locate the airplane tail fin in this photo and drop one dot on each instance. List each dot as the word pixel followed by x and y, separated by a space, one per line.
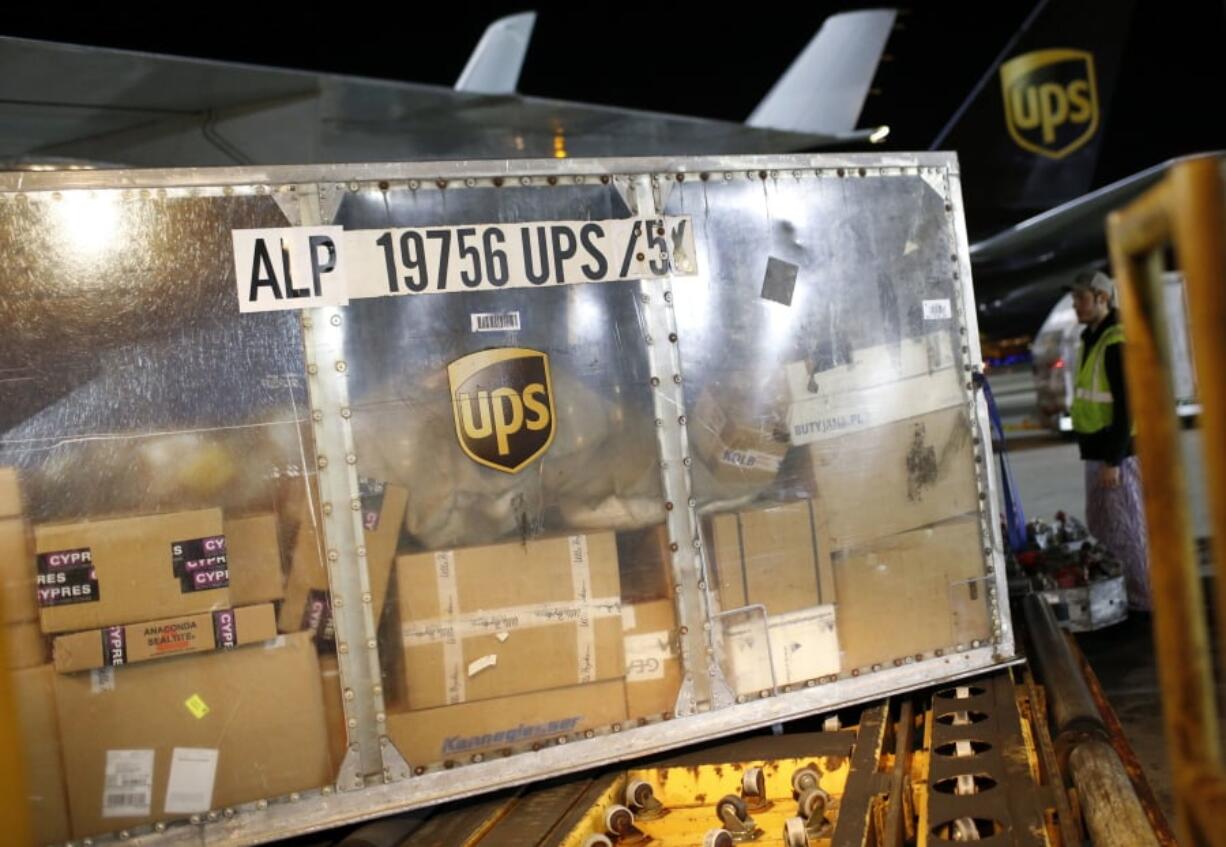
pixel 1032 127
pixel 494 66
pixel 823 90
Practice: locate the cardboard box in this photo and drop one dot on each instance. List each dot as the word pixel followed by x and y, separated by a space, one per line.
pixel 10 493
pixel 745 450
pixel 18 591
pixel 912 593
pixel 645 564
pixel 653 662
pixel 307 604
pixel 25 646
pixel 458 732
pixel 140 642
pixel 164 740
pixel 34 690
pixel 486 622
pixel 253 550
pixel 780 649
pixel 882 481
pixel 334 710
pixel 777 556
pixel 103 573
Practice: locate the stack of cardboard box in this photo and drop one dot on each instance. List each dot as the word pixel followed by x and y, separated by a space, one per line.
pixel 889 532
pixel 161 699
pixel 513 645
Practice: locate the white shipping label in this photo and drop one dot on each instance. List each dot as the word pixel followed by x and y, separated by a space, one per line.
pixel 190 787
pixel 791 648
pixel 495 321
pixel 937 310
pixel 293 267
pixel 305 267
pixel 646 655
pixel 629 618
pixel 127 790
pixel 101 679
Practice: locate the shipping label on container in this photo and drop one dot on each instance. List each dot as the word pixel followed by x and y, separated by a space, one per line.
pixel 200 563
pixel 127 790
pixel 309 267
pixel 66 577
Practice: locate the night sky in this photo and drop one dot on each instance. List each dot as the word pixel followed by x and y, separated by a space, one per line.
pixel 695 60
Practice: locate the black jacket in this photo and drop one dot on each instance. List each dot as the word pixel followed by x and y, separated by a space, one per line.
pixel 1114 443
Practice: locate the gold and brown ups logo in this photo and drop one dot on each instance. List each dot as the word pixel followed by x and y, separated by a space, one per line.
pixel 502 402
pixel 1051 100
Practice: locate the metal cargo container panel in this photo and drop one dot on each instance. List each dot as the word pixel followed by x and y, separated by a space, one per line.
pixel 588 494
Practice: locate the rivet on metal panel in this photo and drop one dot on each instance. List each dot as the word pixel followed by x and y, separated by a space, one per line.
pixel 655 380
pixel 346 413
pixel 195 819
pixel 898 663
pixel 668 505
pixel 333 556
pixel 418 771
pixel 663 465
pixel 983 495
pixel 855 672
pixel 693 502
pixel 677 378
pixel 672 336
pixel 617 727
pixel 323 462
pixel 578 180
pixel 380 718
pixel 441 183
pixel 124 835
pixel 810 683
pixel 681 420
pixel 341 367
pixel 336 320
pixel 639 257
pixel 728 176
pixel 312 369
pixel 702 585
pixel 668 295
pixel 212 816
pixel 687 461
pixel 605 179
pixel 470 182
pixel 647 339
pixel 327 508
pixel 383 185
pixel 413 184
pixel 840 172
pixel 704 176
pixel 261 805
pixel 337 601
pixel 294 797
pixel 697 543
pixel 740 698
pixel 646 298
pixel 317 415
pixel 659 422
pixel 370 644
pixel 353 186
pixel 351 459
pixel 159 827
pixel 523 180
pixel 361 551
pixel 355 504
pixel 589 733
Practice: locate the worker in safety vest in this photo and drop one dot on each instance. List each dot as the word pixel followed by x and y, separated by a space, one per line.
pixel 1101 420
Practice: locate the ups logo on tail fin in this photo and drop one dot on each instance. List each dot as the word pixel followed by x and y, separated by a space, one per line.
pixel 502 402
pixel 1051 100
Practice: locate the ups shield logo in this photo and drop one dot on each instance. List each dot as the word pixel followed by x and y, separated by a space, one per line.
pixel 502 402
pixel 1051 100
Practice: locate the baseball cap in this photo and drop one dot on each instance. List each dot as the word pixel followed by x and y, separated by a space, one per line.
pixel 1093 281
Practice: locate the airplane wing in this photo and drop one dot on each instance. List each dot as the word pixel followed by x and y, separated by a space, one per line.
pixel 64 103
pixel 494 66
pixel 824 89
pixel 1022 268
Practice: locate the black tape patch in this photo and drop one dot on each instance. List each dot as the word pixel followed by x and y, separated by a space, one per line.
pixel 200 563
pixel 114 646
pixel 225 629
pixel 67 577
pixel 780 282
pixel 317 618
pixel 371 492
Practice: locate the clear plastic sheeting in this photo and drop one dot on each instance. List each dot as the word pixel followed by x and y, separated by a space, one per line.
pixel 264 572
pixel 155 483
pixel 825 354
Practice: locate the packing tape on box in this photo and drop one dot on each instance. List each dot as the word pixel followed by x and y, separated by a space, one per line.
pixel 451 629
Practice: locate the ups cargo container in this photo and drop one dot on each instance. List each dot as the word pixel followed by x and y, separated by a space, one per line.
pixel 544 465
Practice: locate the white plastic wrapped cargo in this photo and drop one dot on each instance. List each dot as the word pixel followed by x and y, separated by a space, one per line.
pixel 557 463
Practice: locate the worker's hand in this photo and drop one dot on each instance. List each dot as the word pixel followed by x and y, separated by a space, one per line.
pixel 1109 477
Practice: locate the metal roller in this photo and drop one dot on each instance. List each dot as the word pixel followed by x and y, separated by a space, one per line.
pixel 717 838
pixel 794 833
